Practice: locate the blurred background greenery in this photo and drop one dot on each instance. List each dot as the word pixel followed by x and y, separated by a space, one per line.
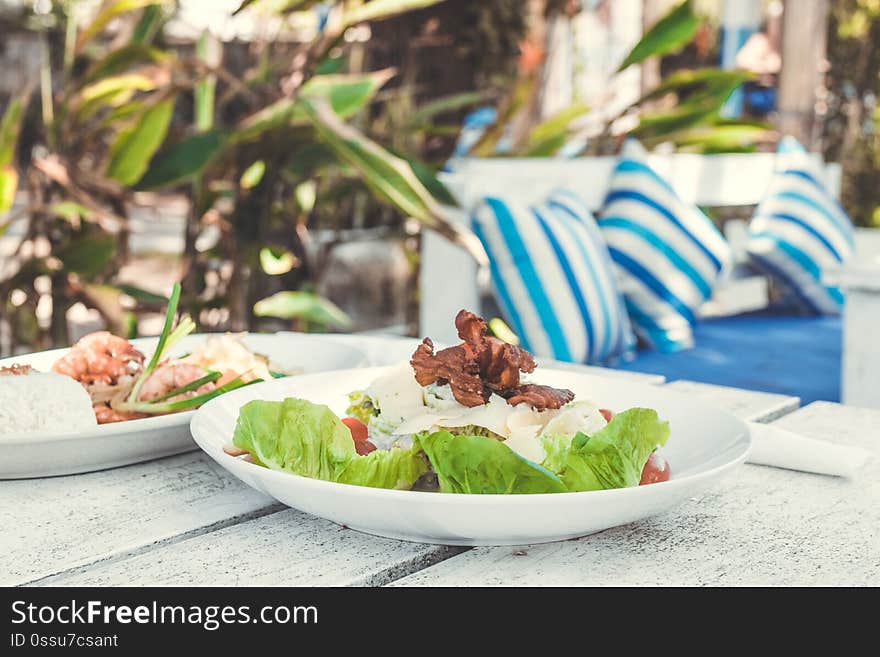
pixel 285 170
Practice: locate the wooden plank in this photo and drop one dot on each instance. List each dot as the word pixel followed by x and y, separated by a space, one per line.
pixel 745 404
pixel 760 526
pixel 283 549
pixel 54 524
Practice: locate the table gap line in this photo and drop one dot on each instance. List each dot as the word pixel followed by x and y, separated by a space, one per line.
pixel 171 540
pixel 410 565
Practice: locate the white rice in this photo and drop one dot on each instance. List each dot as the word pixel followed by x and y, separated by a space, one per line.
pixel 39 402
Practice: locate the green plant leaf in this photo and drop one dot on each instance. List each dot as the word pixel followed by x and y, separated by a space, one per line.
pixel 8 187
pixel 10 126
pixel 660 124
pixel 668 34
pixel 428 111
pixel 208 50
pixel 274 115
pixel 306 194
pixel 122 59
pixel 557 124
pixel 244 5
pixel 429 179
pixel 721 138
pixel 308 158
pixel 548 147
pixel 113 84
pixel 487 144
pixel 108 12
pixel 71 211
pixel 275 265
pixel 183 160
pixel 302 305
pixel 113 91
pixel 148 26
pixel 144 296
pixel 331 65
pixel 698 82
pixel 280 6
pixel 378 10
pixel 347 94
pixel 87 255
pixel 391 178
pixel 252 175
pixel 123 112
pixel 133 149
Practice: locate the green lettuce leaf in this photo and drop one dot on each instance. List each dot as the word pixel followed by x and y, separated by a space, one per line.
pixel 308 439
pixel 474 430
pixel 480 465
pixel 613 457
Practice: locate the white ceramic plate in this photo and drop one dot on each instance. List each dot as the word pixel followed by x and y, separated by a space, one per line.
pixel 705 442
pixel 122 443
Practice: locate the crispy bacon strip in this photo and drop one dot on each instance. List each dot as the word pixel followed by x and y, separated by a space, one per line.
pixel 452 366
pixel 540 397
pixel 481 365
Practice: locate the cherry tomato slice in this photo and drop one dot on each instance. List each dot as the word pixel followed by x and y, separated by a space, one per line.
pixel 364 447
pixel 606 414
pixel 655 470
pixel 359 431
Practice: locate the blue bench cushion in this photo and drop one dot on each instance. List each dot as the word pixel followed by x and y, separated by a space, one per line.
pixel 798 356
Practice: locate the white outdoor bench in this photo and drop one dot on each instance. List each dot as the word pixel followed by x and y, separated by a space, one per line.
pixel 450 279
pixel 449 276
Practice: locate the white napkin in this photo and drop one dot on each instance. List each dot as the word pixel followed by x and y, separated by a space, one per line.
pixel 780 448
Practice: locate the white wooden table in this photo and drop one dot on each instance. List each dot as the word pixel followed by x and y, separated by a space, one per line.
pixel 860 281
pixel 184 521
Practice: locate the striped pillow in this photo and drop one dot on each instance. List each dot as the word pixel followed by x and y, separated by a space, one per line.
pixel 667 253
pixel 553 278
pixel 799 231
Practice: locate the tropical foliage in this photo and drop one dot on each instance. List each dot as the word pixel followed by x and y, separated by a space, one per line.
pixel 260 149
pixel 690 116
pixel 851 109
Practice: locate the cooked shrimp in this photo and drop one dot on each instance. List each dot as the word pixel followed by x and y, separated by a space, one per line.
pixel 105 415
pixel 171 375
pixel 100 357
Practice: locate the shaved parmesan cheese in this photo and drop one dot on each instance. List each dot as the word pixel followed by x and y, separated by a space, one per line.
pixel 420 423
pixel 576 416
pixel 492 416
pixel 524 441
pixel 397 394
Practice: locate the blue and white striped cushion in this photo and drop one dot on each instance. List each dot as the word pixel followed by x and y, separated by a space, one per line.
pixel 553 278
pixel 668 254
pixel 799 231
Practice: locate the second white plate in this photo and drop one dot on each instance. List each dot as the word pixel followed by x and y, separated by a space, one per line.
pixel 123 443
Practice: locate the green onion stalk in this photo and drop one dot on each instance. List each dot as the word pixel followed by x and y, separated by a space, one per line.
pixel 170 336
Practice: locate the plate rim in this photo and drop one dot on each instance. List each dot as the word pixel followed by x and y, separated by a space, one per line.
pixel 217 454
